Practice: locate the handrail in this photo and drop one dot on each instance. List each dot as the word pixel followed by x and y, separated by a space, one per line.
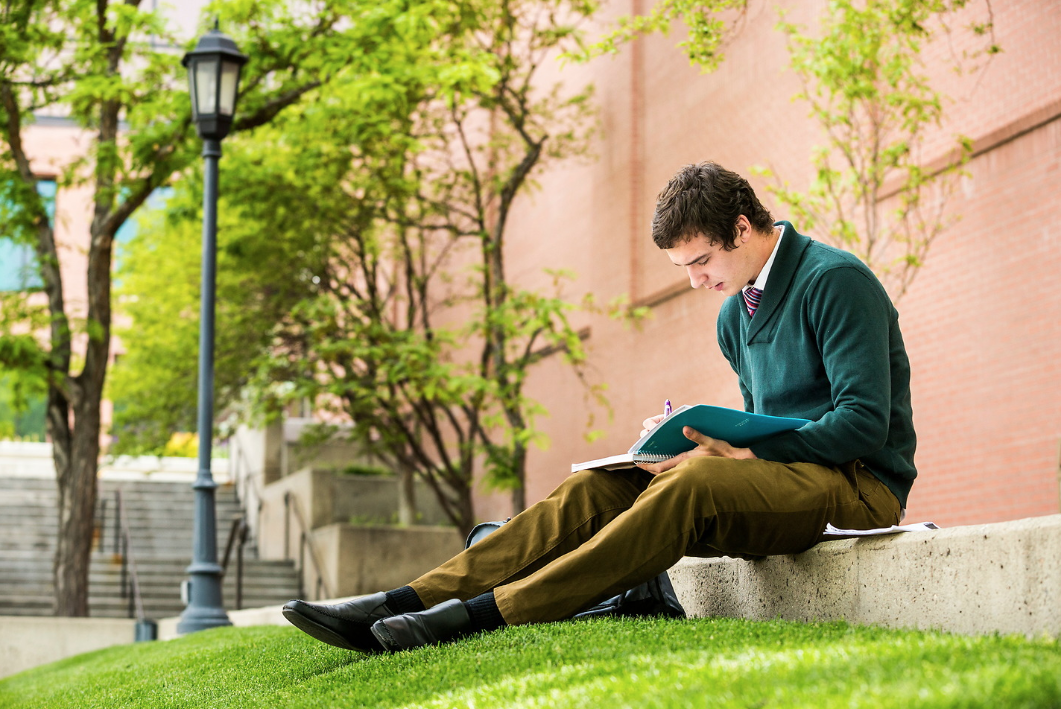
pixel 305 541
pixel 128 559
pixel 240 458
pixel 246 486
pixel 100 528
pixel 237 534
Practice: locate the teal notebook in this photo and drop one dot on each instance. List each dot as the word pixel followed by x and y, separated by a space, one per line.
pixel 666 440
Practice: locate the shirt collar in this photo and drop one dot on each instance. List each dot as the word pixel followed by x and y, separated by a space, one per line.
pixel 760 282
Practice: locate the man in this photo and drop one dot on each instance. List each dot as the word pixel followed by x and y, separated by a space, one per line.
pixel 810 333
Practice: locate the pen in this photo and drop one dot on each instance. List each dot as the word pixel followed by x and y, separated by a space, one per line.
pixel 666 408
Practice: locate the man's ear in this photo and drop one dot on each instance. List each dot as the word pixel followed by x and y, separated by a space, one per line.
pixel 744 228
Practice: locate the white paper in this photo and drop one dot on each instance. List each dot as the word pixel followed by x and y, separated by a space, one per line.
pixel 831 531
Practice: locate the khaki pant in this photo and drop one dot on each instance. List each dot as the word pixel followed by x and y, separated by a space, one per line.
pixel 600 533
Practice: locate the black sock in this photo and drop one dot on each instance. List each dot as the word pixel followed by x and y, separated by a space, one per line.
pixel 484 612
pixel 404 600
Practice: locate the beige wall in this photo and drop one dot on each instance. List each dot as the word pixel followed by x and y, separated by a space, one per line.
pixel 26 642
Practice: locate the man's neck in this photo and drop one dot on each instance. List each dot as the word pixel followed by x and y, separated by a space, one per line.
pixel 767 245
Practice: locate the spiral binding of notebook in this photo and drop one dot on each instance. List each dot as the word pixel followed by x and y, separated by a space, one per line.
pixel 652 457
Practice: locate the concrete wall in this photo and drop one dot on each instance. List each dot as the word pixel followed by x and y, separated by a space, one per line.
pixel 359 559
pixel 23 459
pixel 26 641
pixel 1002 577
pixel 328 502
pixel 325 497
pixel 266 615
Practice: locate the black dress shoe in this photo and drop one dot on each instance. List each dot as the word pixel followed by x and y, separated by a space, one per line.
pixel 346 625
pixel 446 621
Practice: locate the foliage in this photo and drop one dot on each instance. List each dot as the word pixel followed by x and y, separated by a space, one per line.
pixel 387 198
pixel 364 470
pixel 91 61
pixel 709 662
pixel 416 334
pixel 263 268
pixel 182 445
pixel 21 409
pixel 867 89
pixel 865 82
pixel 709 24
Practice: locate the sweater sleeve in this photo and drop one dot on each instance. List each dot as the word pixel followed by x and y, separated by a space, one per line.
pixel 850 317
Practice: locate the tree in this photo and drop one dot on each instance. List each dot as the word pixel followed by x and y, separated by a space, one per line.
pixel 91 61
pixel 865 83
pixel 263 270
pixel 710 24
pixel 867 88
pixel 417 335
pixel 410 328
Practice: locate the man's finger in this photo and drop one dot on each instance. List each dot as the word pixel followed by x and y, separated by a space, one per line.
pixel 663 466
pixel 695 436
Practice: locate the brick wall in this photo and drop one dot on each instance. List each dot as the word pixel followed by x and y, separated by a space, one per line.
pixel 981 321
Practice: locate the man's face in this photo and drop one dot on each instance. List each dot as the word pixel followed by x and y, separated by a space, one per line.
pixel 711 266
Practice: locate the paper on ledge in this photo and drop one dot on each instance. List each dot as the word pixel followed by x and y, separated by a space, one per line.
pixel 831 531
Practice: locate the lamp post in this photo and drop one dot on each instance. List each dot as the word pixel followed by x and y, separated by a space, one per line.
pixel 213 75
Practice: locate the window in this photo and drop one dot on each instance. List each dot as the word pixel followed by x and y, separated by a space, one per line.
pixel 18 261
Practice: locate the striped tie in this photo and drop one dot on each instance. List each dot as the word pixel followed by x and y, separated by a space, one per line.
pixel 751 299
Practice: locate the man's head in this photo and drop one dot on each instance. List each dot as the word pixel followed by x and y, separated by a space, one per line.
pixel 706 200
pixel 710 223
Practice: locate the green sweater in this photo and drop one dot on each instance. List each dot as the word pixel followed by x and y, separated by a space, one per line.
pixel 825 345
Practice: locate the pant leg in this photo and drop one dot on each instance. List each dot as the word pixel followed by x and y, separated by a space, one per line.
pixel 732 507
pixel 578 509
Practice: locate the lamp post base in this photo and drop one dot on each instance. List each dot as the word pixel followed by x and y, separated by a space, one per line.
pixel 204 609
pixel 196 619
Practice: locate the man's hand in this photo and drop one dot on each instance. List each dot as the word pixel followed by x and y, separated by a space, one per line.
pixel 705 446
pixel 651 423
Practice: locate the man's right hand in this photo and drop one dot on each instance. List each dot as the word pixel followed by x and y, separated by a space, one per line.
pixel 650 423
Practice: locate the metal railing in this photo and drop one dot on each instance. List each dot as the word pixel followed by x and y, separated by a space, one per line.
pixel 130 580
pixel 305 542
pixel 237 535
pixel 250 497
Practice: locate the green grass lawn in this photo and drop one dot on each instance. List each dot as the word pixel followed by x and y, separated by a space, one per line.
pixel 599 664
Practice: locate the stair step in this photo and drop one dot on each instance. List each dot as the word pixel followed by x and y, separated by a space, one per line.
pixel 161 520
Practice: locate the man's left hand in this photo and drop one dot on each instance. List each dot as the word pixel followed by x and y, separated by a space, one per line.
pixel 705 446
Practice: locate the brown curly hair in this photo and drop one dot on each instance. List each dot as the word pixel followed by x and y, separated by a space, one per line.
pixel 706 199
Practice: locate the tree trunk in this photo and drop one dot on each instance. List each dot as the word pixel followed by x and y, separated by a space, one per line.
pixel 519 499
pixel 407 511
pixel 77 454
pixel 465 510
pixel 75 466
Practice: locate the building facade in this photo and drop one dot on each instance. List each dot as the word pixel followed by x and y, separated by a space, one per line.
pixel 982 320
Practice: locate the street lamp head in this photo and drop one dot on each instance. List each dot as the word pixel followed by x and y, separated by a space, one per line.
pixel 213 77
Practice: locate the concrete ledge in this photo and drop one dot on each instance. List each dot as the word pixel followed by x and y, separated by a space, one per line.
pixel 266 615
pixel 34 460
pixel 1002 577
pixel 27 641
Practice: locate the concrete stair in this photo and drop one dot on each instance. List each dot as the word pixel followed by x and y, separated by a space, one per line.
pixel 160 517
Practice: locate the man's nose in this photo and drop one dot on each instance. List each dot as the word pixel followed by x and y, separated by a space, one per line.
pixel 697 277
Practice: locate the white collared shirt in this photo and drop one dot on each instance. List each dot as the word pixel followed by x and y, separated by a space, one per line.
pixel 760 281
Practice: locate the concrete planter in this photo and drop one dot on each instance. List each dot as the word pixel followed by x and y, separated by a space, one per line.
pixel 365 559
